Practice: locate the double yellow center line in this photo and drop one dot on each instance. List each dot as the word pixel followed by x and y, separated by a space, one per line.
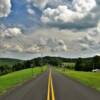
pixel 50 95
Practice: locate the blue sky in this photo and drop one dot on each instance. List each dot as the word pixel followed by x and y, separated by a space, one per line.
pixel 20 16
pixel 69 28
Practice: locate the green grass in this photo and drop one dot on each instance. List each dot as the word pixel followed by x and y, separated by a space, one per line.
pixel 16 78
pixel 8 61
pixel 91 79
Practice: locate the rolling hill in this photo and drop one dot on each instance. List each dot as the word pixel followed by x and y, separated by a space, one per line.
pixel 9 61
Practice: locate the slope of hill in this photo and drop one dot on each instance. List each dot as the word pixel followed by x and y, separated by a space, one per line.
pixel 8 61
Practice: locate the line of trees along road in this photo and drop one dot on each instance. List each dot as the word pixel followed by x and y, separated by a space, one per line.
pixel 88 64
pixel 54 61
pixel 81 64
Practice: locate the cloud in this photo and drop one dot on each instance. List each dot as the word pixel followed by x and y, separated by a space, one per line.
pixel 5 8
pixel 12 47
pixel 38 3
pixel 84 46
pixel 60 15
pixel 16 47
pixel 10 32
pixel 98 27
pixel 62 46
pixel 53 40
pixel 55 3
pixel 90 40
pixel 63 14
pixel 32 49
pixel 83 5
pixel 87 39
pixel 30 11
pixel 53 45
pixel 55 26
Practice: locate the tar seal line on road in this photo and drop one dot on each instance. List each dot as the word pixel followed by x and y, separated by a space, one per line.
pixel 50 94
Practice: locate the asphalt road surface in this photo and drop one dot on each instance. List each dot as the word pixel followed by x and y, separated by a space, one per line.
pixel 68 89
pixel 64 89
pixel 32 90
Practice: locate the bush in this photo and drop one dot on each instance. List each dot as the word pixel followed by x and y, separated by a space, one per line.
pixel 4 69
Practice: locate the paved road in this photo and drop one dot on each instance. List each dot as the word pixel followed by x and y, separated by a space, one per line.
pixel 32 90
pixel 68 89
pixel 64 89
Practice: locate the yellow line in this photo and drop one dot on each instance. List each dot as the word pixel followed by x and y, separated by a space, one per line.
pixel 50 88
pixel 48 95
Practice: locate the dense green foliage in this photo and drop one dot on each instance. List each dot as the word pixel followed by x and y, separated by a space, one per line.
pixel 88 64
pixel 81 64
pixel 15 65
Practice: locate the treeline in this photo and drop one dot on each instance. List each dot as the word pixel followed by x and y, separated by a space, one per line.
pixel 54 61
pixel 4 69
pixel 81 64
pixel 87 64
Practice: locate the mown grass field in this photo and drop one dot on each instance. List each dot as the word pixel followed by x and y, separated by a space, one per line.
pixel 91 79
pixel 15 78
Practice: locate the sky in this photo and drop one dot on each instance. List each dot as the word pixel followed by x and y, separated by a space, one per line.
pixel 66 28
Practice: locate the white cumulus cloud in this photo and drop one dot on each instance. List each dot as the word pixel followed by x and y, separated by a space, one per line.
pixel 30 11
pixel 83 5
pixel 38 3
pixel 12 47
pixel 62 13
pixel 10 32
pixel 32 49
pixel 5 8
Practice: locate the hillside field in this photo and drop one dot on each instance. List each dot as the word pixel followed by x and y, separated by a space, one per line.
pixel 8 61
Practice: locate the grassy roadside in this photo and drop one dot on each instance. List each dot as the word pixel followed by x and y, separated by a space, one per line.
pixel 15 78
pixel 90 79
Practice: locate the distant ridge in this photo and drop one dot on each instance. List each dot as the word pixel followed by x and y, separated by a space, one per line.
pixel 12 61
pixel 9 61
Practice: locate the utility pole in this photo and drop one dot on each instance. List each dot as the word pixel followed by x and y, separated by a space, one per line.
pixel 41 58
pixel 32 68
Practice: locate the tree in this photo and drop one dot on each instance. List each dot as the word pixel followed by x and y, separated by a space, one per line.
pixel 96 62
pixel 78 64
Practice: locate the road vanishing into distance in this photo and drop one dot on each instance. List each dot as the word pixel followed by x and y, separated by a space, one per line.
pixel 51 86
